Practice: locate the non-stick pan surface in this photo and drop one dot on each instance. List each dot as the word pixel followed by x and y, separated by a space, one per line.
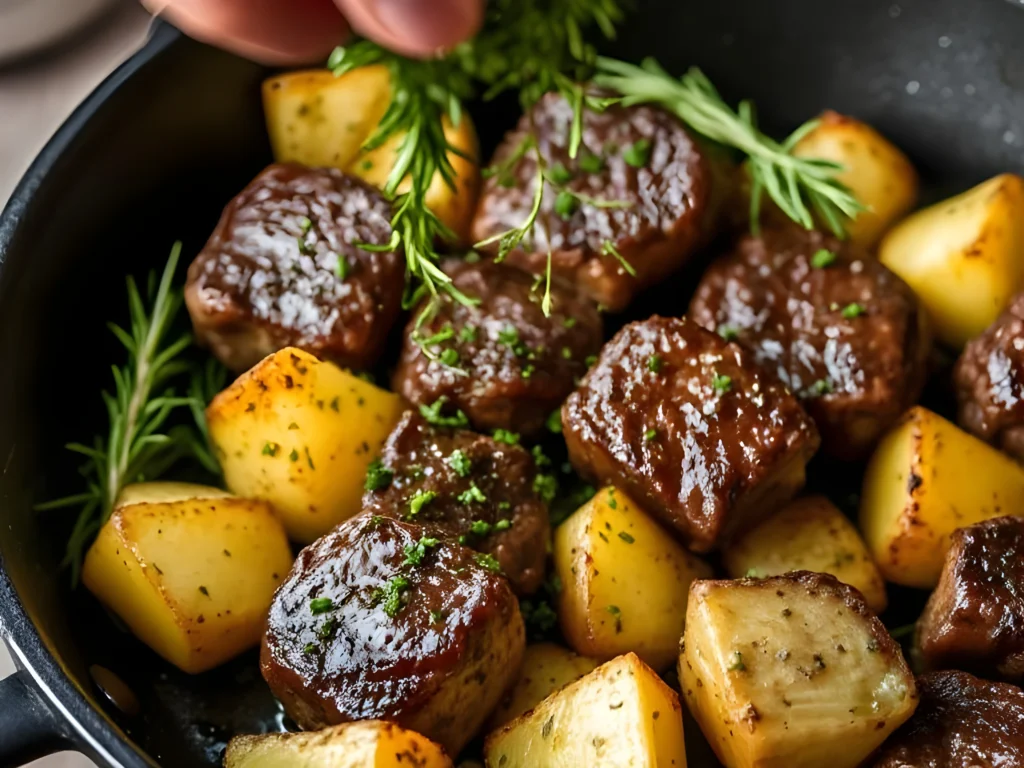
pixel 158 149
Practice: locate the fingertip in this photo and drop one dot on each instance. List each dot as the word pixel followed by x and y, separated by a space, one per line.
pixel 415 27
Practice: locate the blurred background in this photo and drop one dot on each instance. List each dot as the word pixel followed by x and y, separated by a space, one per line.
pixel 52 53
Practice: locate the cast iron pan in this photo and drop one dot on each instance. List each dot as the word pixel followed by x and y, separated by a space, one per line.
pixel 157 150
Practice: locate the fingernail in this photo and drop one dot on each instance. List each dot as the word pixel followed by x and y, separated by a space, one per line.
pixel 426 25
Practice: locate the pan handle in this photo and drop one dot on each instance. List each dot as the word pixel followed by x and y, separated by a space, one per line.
pixel 28 728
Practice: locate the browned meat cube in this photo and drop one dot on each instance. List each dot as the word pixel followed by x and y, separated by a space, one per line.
pixel 378 620
pixel 689 426
pixel 989 378
pixel 640 185
pixel 481 491
pixel 846 335
pixel 974 619
pixel 961 722
pixel 501 362
pixel 284 268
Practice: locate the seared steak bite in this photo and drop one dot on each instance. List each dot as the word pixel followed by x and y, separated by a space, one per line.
pixel 284 268
pixel 481 491
pixel 844 333
pixel 640 188
pixel 961 722
pixel 688 425
pixel 502 362
pixel 989 378
pixel 974 619
pixel 380 620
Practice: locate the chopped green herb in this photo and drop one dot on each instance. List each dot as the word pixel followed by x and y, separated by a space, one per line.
pixel 608 249
pixel 852 310
pixel 566 204
pixel 546 486
pixel 327 629
pixel 612 503
pixel 559 174
pixel 721 384
pixel 737 664
pixel 460 462
pixel 509 336
pixel 504 436
pixel 617 615
pixel 436 617
pixel 445 334
pixel 367 165
pixel 309 648
pixel 378 476
pixel 271 449
pixel 638 154
pixel 414 553
pixel 420 500
pixel 450 357
pixel 651 434
pixel 320 605
pixel 304 248
pixel 480 528
pixel 434 415
pixel 626 537
pixel 336 404
pixel 342 267
pixel 822 387
pixel 728 333
pixel 468 333
pixel 589 362
pixel 391 595
pixel 822 258
pixel 569 322
pixel 539 617
pixel 591 163
pixel 539 458
pixel 655 363
pixel 528 370
pixel 566 353
pixel 305 224
pixel 309 459
pixel 473 494
pixel 487 561
pixel 293 425
pixel 502 525
pixel 554 422
pixel 294 455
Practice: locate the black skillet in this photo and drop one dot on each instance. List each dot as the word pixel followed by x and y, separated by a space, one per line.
pixel 154 153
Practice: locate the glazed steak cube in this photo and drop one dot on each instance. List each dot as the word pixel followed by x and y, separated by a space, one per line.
pixel 989 378
pixel 502 361
pixel 961 722
pixel 284 268
pixel 640 185
pixel 480 490
pixel 974 619
pixel 844 333
pixel 688 425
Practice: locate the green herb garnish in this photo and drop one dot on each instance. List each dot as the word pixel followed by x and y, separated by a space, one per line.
pixel 378 476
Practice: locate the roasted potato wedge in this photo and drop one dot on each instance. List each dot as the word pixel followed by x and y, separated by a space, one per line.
pixel 926 479
pixel 619 715
pixel 365 744
pixel 809 534
pixel 300 433
pixel 546 668
pixel 791 672
pixel 963 256
pixel 317 119
pixel 192 577
pixel 875 170
pixel 625 581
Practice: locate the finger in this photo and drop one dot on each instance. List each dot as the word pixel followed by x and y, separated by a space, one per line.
pixel 271 31
pixel 415 27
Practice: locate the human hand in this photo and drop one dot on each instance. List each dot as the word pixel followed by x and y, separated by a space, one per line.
pixel 304 31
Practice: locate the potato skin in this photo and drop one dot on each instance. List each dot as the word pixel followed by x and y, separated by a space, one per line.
pixel 926 479
pixel 808 534
pixel 193 578
pixel 962 256
pixel 366 744
pixel 880 176
pixel 320 120
pixel 625 581
pixel 621 715
pixel 791 671
pixel 300 434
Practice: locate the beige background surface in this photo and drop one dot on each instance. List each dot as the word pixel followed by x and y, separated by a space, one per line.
pixel 35 97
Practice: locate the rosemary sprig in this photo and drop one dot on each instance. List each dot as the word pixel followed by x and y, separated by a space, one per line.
pixel 136 446
pixel 800 187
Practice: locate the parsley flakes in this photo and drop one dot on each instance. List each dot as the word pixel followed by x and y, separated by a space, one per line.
pixel 460 462
pixel 378 476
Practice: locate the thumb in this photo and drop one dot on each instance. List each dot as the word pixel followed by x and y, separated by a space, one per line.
pixel 414 27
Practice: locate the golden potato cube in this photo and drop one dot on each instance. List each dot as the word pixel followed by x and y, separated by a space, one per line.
pixel 165 492
pixel 625 581
pixel 546 668
pixel 193 578
pixel 880 176
pixel 300 433
pixel 963 256
pixel 809 534
pixel 364 744
pixel 791 672
pixel 620 715
pixel 317 119
pixel 926 478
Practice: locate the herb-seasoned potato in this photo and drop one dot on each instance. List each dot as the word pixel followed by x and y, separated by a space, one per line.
pixel 546 668
pixel 620 715
pixel 365 744
pixel 300 434
pixel 808 534
pixel 963 256
pixel 791 672
pixel 926 479
pixel 876 171
pixel 625 581
pixel 191 575
pixel 317 119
